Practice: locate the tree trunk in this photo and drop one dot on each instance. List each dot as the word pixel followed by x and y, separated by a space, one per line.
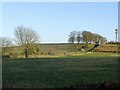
pixel 26 52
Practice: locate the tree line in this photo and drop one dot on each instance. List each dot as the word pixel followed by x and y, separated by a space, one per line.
pixel 86 37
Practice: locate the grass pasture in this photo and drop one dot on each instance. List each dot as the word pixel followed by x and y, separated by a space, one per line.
pixel 59 72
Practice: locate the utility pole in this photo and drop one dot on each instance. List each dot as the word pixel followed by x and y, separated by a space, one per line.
pixel 116 33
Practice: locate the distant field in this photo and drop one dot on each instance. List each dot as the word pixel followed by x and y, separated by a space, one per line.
pixel 61 71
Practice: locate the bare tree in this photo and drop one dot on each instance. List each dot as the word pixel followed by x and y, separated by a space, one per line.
pixel 72 37
pixel 78 37
pixel 87 36
pixel 6 42
pixel 99 39
pixel 26 36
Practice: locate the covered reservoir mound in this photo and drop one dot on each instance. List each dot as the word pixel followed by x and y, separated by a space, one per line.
pixel 110 48
pixel 59 49
pixel 45 49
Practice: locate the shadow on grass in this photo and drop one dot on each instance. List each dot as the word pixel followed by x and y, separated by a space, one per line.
pixel 105 85
pixel 102 86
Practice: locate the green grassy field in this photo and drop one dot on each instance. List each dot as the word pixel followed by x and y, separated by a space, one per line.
pixel 60 72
